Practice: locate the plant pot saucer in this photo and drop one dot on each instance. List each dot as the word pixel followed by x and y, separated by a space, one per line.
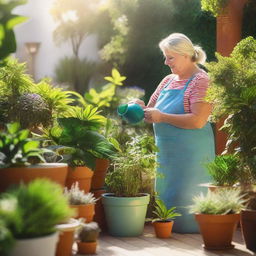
pixel 218 248
pixel 72 225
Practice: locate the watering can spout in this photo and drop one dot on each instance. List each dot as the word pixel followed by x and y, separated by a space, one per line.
pixel 133 113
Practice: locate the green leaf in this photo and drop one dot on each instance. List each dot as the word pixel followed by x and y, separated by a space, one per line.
pixel 13 127
pixel 30 145
pixel 15 21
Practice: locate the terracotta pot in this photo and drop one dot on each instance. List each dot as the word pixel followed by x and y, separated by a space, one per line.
pixel 217 230
pixel 82 175
pixel 66 238
pixel 56 172
pixel 86 247
pixel 248 225
pixel 86 211
pixel 99 173
pixel 163 229
pixel 100 217
pixel 229 26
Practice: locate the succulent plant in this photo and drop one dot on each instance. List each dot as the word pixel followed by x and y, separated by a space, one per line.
pixel 89 232
pixel 77 196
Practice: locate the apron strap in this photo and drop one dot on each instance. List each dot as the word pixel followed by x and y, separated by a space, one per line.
pixel 187 83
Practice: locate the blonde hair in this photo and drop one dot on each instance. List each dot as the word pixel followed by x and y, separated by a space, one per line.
pixel 182 45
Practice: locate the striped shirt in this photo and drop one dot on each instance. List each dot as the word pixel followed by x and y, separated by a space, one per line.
pixel 195 92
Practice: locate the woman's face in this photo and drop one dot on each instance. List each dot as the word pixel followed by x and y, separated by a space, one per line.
pixel 177 63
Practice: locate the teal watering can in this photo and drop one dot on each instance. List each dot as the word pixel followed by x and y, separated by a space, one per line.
pixel 133 113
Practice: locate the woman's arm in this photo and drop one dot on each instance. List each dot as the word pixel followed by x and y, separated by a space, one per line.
pixel 196 119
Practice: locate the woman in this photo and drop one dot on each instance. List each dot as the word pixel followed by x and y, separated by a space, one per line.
pixel 179 115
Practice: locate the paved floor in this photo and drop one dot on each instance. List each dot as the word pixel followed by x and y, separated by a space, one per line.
pixel 177 245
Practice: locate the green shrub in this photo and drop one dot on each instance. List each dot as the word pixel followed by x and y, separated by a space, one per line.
pixel 214 6
pixel 24 101
pixel 75 73
pixel 35 209
pixel 134 167
pixel 233 92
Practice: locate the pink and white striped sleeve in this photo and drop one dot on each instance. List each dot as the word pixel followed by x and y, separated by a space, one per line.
pixel 199 89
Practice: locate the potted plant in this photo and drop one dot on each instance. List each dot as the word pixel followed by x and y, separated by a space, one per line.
pixel 87 238
pixel 66 236
pixel 21 159
pixel 164 219
pixel 83 202
pixel 233 92
pixel 217 214
pixel 224 171
pixel 76 137
pixel 127 180
pixel 31 213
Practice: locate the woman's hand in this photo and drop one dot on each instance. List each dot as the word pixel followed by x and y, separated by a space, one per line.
pixel 153 115
pixel 139 102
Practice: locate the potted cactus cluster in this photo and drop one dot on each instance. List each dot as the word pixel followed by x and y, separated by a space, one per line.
pixel 87 238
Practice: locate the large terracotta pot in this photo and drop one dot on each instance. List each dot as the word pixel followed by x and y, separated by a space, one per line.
pixel 86 211
pixel 217 230
pixel 229 26
pixel 82 175
pixel 56 172
pixel 248 225
pixel 99 173
pixel 163 229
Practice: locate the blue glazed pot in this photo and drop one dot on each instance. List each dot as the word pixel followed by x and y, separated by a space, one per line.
pixel 125 216
pixel 133 113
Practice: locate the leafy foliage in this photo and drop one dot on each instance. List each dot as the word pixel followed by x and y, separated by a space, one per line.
pixel 222 201
pixel 7 22
pixel 164 214
pixel 224 170
pixel 214 6
pixel 107 96
pixel 233 92
pixel 36 209
pixel 77 138
pixel 26 102
pixel 16 148
pixel 132 167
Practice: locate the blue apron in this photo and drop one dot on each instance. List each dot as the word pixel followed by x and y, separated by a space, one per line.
pixel 181 157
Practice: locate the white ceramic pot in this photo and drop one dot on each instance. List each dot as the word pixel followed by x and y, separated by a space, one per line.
pixel 40 246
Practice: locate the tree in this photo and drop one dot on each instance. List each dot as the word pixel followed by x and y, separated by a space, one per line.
pixel 75 19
